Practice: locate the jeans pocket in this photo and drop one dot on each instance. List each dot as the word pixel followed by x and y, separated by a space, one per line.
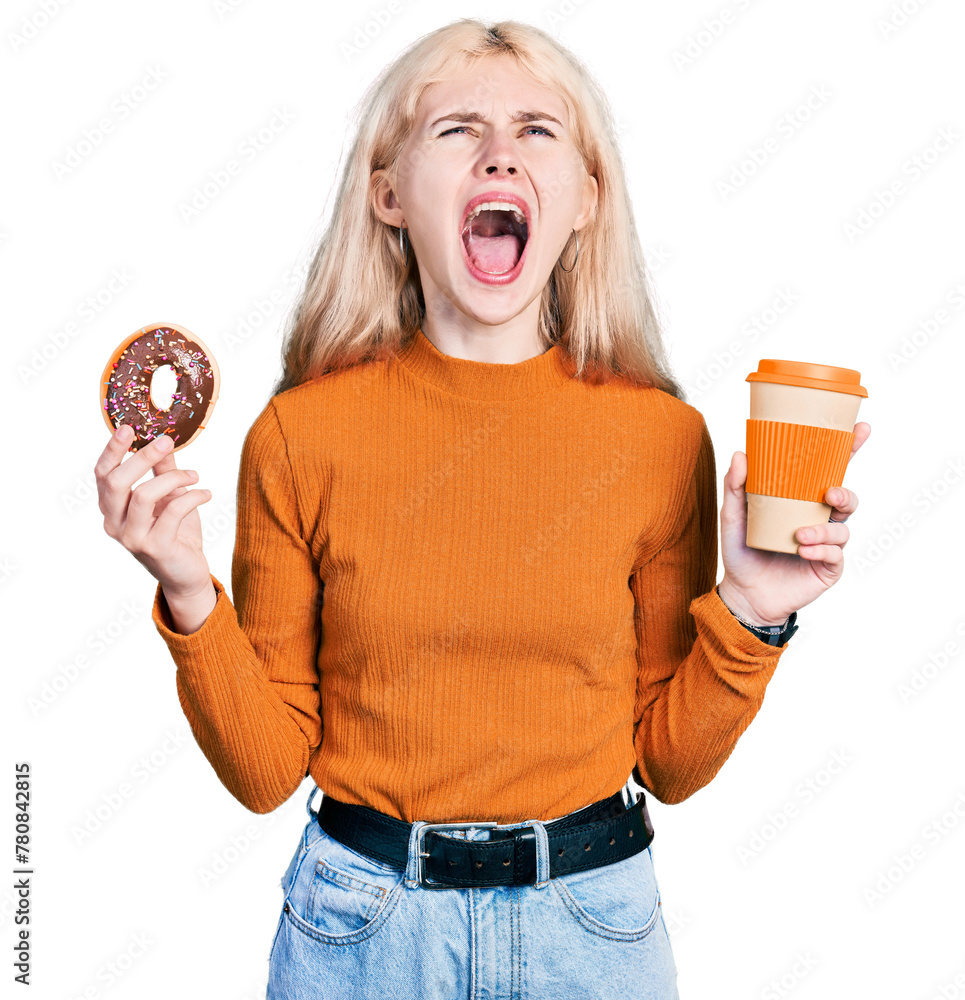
pixel 620 902
pixel 340 896
pixel 307 839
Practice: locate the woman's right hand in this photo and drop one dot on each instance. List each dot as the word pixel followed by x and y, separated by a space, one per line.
pixel 157 522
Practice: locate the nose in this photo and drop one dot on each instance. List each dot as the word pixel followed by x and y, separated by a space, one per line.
pixel 499 155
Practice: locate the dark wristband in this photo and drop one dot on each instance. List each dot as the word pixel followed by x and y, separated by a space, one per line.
pixel 773 635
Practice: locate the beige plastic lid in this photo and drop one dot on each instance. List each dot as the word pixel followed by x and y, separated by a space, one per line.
pixel 809 375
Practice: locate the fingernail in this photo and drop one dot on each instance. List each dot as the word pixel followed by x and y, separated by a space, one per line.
pixel 834 495
pixel 806 533
pixel 164 442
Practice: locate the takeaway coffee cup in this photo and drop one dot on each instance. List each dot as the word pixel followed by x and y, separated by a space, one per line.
pixel 799 439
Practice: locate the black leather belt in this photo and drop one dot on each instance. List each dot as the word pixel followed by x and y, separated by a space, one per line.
pixel 600 834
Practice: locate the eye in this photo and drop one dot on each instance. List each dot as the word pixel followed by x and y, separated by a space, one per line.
pixel 537 128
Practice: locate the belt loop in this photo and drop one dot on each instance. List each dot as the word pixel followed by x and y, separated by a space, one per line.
pixel 542 855
pixel 312 814
pixel 412 867
pixel 629 796
pixel 542 850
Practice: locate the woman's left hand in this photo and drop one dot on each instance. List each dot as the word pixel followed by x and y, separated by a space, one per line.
pixel 765 587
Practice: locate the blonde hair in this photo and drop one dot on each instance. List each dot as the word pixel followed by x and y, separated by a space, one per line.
pixel 361 304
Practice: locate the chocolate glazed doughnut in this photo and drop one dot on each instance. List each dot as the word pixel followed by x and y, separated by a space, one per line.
pixel 125 389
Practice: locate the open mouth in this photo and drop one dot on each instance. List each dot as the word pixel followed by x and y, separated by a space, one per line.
pixel 494 237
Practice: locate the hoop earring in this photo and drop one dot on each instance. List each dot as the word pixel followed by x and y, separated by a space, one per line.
pixel 403 246
pixel 573 265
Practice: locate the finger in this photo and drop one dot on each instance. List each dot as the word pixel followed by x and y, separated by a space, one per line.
pixel 114 450
pixel 166 463
pixel 831 555
pixel 152 490
pixel 862 432
pixel 109 460
pixel 817 534
pixel 737 473
pixel 160 506
pixel 118 482
pixel 141 511
pixel 842 501
pixel 165 530
pixel 733 510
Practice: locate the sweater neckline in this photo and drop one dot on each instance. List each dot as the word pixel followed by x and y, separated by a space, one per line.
pixel 484 379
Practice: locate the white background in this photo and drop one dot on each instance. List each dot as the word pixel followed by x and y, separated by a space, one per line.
pixel 126 910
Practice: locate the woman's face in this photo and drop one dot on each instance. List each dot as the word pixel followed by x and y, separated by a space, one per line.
pixel 495 137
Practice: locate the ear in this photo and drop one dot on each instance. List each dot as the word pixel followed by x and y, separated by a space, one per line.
pixel 591 192
pixel 384 202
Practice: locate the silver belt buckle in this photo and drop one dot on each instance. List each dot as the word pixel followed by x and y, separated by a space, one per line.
pixel 420 836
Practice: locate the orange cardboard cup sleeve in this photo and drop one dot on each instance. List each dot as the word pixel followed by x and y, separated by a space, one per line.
pixel 797 461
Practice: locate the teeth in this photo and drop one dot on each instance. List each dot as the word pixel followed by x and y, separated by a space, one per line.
pixel 496 206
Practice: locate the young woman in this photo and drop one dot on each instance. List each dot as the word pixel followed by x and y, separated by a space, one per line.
pixel 476 548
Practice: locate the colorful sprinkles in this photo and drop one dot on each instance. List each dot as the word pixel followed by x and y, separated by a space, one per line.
pixel 128 388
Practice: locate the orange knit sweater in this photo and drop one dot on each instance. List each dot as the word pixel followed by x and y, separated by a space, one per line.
pixel 466 590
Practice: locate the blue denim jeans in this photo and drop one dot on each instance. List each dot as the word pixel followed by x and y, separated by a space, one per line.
pixel 353 928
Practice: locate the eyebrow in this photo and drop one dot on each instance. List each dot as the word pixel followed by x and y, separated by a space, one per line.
pixel 475 116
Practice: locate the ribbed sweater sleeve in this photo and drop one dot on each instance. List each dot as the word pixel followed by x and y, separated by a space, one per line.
pixel 701 674
pixel 247 679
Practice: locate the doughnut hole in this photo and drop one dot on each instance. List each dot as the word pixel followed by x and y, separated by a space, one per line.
pixel 164 384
